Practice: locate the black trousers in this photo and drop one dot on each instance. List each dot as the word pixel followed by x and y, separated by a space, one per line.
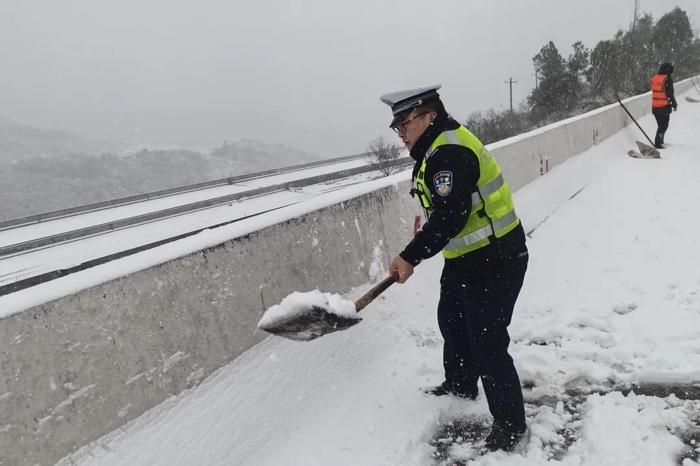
pixel 475 309
pixel 663 116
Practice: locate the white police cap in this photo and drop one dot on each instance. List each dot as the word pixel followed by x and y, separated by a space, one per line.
pixel 401 101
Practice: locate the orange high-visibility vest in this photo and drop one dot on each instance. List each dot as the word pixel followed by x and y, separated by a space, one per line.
pixel 658 91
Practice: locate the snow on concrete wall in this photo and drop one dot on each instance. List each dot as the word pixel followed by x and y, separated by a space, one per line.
pixel 76 368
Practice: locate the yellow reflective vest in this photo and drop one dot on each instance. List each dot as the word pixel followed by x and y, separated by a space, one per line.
pixel 492 213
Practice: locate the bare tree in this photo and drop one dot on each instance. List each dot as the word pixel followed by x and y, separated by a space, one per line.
pixel 382 155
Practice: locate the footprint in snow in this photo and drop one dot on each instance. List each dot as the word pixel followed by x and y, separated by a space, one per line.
pixel 624 308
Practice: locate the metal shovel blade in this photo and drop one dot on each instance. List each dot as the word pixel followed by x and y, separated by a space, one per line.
pixel 310 324
pixel 648 151
pixel 315 321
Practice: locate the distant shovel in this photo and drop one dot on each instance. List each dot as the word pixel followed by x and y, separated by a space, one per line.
pixel 307 316
pixel 648 151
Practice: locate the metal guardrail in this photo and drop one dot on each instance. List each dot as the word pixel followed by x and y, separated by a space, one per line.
pixel 54 274
pixel 57 214
pixel 183 209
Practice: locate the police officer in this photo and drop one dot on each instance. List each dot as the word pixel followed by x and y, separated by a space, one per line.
pixel 471 219
pixel 662 101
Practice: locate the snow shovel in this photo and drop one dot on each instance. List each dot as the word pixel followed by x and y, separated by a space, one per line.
pixel 648 151
pixel 319 315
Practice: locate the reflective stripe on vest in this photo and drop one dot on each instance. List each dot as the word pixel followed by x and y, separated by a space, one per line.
pixel 482 233
pixel 658 91
pixel 492 213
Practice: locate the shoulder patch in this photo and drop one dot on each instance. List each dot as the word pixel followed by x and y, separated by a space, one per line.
pixel 443 182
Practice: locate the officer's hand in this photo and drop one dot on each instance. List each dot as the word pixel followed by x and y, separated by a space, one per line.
pixel 402 268
pixel 675 108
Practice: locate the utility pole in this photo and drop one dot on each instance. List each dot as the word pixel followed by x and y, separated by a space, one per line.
pixel 511 82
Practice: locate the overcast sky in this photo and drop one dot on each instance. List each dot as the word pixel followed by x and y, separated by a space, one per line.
pixel 304 73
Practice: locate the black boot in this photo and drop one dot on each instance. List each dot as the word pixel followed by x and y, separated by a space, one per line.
pixel 451 388
pixel 503 437
pixel 659 141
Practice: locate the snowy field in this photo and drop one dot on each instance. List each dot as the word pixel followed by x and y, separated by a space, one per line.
pixel 606 338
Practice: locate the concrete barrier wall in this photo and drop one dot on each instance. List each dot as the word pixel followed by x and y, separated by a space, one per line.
pixel 522 157
pixel 76 368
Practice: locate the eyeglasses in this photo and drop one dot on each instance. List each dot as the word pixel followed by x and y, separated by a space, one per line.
pixel 401 127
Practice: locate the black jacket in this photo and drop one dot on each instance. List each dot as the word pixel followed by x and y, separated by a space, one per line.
pixel 460 166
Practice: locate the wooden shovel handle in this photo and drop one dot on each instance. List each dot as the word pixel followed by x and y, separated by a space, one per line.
pixel 368 297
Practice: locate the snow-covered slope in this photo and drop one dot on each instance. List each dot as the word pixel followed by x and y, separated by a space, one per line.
pixel 611 302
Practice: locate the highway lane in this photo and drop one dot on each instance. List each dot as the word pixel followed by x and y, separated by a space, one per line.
pixel 83 220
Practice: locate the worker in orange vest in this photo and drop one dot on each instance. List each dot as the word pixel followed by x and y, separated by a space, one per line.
pixel 662 101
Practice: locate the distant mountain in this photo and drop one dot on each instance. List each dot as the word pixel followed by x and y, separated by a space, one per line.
pixel 252 155
pixel 20 142
pixel 42 171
